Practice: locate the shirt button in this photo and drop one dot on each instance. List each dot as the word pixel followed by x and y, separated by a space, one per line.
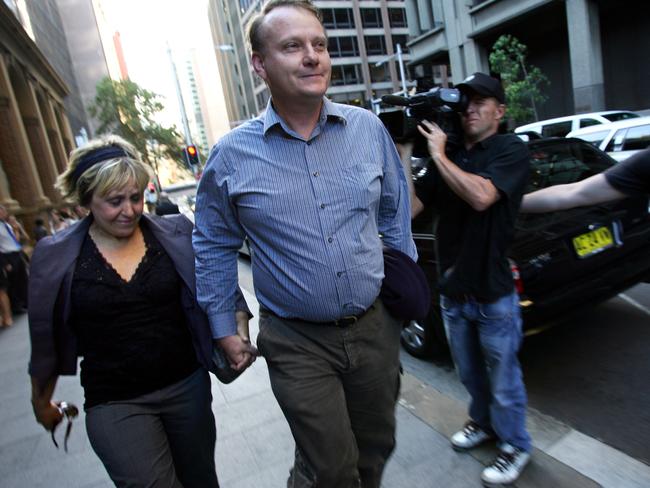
pixel 322 205
pixel 309 143
pixel 316 174
pixel 339 274
pixel 330 239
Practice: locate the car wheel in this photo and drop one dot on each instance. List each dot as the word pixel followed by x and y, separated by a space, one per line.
pixel 425 338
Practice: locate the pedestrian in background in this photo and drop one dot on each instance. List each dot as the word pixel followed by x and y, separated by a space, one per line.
pixel 165 206
pixel 118 288
pixel 476 190
pixel 40 230
pixel 312 184
pixel 15 264
pixel 628 178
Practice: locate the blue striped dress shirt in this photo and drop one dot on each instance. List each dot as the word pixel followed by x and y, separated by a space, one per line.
pixel 312 209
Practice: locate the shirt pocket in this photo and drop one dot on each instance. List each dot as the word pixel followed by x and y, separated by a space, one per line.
pixel 363 181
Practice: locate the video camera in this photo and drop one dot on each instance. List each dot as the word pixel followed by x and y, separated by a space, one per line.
pixel 439 105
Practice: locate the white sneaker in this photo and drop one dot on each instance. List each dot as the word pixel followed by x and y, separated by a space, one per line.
pixel 471 436
pixel 507 467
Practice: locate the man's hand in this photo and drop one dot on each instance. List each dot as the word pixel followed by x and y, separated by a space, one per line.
pixel 436 138
pixel 238 348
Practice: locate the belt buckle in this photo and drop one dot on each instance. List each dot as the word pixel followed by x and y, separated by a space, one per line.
pixel 346 321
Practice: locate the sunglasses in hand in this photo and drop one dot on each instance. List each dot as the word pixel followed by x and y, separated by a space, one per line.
pixel 69 412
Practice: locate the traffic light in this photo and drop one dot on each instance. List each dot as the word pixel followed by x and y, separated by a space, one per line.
pixel 192 156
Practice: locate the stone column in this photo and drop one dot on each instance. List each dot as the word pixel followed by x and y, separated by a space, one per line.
pixel 15 152
pixel 583 25
pixel 36 129
pixel 54 134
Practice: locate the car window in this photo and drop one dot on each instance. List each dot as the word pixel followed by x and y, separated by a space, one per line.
pixel 637 138
pixel 555 164
pixel 559 129
pixel 615 142
pixel 620 116
pixel 594 138
pixel 588 122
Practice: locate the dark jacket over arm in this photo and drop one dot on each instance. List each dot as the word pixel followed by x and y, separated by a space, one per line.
pixel 54 344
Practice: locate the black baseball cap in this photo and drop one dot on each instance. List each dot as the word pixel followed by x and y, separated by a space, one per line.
pixel 483 85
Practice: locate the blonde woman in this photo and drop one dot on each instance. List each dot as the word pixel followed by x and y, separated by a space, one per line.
pixel 118 289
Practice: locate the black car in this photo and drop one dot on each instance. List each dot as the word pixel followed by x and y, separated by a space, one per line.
pixel 561 261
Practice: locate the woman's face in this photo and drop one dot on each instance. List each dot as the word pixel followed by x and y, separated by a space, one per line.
pixel 118 212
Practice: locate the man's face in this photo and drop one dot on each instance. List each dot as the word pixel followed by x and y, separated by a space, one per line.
pixel 294 61
pixel 482 117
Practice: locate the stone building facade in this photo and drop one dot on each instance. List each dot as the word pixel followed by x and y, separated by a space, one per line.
pixel 35 133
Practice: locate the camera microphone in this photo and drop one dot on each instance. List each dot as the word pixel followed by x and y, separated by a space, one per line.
pixel 396 100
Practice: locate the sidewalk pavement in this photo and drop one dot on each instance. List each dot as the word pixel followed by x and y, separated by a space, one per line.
pixel 255 448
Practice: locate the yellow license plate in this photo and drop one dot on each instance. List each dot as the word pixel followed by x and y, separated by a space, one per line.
pixel 593 242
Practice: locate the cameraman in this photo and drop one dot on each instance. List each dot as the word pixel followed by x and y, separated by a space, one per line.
pixel 477 190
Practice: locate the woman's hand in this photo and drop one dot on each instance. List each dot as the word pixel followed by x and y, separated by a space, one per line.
pixel 47 414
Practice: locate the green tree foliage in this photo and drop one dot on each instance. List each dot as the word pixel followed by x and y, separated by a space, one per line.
pixel 522 82
pixel 128 110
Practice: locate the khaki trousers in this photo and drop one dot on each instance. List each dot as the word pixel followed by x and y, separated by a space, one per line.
pixel 337 388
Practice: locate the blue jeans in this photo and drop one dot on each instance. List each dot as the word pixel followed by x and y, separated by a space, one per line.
pixel 484 339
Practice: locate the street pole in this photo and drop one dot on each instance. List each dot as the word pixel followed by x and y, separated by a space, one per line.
pixel 400 61
pixel 181 103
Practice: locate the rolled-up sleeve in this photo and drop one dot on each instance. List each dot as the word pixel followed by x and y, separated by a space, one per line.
pixel 216 239
pixel 394 220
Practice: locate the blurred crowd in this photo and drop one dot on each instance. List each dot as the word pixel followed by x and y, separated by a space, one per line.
pixel 16 245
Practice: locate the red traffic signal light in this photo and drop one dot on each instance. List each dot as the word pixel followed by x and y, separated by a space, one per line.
pixel 192 156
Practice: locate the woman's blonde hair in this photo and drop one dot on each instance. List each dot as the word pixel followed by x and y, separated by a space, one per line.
pixel 88 173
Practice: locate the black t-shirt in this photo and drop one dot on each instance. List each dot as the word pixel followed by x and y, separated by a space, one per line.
pixel 631 176
pixel 132 335
pixel 472 245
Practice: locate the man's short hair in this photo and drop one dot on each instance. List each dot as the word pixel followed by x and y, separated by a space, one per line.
pixel 254 38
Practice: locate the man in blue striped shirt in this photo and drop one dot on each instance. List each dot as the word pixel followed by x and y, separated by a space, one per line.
pixel 312 184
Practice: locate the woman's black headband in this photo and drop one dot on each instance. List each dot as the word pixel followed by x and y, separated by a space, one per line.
pixel 97 156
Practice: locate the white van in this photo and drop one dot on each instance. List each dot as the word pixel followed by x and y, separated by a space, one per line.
pixel 561 126
pixel 619 139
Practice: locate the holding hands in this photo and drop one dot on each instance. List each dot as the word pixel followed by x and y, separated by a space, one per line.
pixel 238 348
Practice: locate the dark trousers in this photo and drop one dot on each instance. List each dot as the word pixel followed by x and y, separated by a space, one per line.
pixel 17 277
pixel 337 388
pixel 164 439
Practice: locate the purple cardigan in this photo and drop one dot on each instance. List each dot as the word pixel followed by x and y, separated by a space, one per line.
pixel 54 344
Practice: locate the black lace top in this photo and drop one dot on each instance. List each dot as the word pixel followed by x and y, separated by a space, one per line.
pixel 132 335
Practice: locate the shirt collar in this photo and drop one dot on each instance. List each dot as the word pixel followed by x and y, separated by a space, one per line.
pixel 487 142
pixel 329 111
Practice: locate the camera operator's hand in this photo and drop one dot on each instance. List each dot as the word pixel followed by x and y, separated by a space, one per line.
pixel 436 138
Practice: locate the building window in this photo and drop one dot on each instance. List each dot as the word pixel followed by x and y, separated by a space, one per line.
pixel 371 17
pixel 337 18
pixel 262 99
pixel 379 73
pixel 397 17
pixel 347 74
pixel 354 98
pixel 343 46
pixel 401 40
pixel 375 45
